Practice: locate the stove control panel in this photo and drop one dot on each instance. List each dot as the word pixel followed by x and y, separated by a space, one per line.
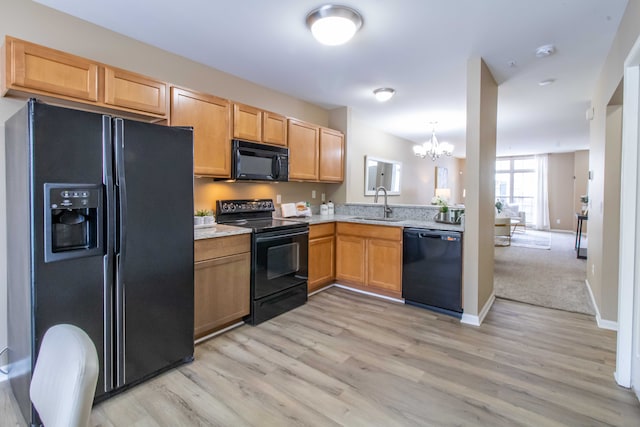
pixel 244 206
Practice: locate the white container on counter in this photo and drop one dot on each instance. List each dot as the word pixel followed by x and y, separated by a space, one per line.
pixel 330 208
pixel 324 209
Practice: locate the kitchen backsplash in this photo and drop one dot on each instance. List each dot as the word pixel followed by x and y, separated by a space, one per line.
pixel 407 212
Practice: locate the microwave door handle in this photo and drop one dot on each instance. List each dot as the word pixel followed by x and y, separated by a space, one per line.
pixel 276 172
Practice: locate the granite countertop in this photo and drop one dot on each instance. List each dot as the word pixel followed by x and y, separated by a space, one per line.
pixel 320 219
pixel 218 230
pixel 221 230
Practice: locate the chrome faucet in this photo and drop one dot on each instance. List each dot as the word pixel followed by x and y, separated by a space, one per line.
pixel 387 209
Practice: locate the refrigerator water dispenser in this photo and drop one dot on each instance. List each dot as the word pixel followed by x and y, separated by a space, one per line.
pixel 73 221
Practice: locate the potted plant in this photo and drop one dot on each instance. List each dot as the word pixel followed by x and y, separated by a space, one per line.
pixel 199 217
pixel 443 207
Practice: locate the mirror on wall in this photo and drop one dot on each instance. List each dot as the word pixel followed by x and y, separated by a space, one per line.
pixel 381 173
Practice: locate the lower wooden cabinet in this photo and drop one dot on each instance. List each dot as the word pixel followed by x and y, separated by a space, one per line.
pixel 321 255
pixel 370 257
pixel 222 281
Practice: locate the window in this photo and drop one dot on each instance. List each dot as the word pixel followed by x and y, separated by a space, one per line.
pixel 516 183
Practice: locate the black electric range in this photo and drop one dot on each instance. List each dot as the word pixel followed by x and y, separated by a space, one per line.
pixel 279 256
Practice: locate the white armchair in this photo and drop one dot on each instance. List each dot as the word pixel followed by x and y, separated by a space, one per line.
pixel 65 376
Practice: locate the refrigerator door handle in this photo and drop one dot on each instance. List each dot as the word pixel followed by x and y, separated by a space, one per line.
pixel 119 329
pixel 109 213
pixel 121 248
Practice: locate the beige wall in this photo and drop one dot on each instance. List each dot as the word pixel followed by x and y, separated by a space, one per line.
pixel 207 191
pixel 482 101
pixel 604 161
pixel 418 175
pixel 33 22
pixel 561 182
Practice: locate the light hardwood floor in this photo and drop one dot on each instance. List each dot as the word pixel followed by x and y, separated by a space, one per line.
pixel 354 360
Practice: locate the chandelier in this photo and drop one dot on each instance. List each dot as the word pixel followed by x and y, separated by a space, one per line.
pixel 432 148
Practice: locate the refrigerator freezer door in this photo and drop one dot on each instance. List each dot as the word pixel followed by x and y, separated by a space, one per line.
pixel 154 289
pixel 47 144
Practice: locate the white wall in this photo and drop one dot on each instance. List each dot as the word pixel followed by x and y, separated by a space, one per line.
pixel 418 175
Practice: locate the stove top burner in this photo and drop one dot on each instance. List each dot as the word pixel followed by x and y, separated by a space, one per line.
pixel 255 214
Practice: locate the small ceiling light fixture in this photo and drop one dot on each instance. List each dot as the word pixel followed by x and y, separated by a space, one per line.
pixel 546 50
pixel 546 82
pixel 334 25
pixel 384 94
pixel 432 148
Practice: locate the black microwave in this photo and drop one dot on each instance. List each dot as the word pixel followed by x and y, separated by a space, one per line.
pixel 258 162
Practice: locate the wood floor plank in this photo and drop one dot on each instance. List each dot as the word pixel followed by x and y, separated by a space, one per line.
pixel 347 359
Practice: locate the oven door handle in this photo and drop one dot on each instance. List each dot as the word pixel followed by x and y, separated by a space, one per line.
pixel 270 237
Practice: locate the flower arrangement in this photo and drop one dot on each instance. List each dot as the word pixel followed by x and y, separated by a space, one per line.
pixel 584 199
pixel 437 200
pixel 499 205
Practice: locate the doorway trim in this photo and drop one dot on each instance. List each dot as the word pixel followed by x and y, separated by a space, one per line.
pixel 628 278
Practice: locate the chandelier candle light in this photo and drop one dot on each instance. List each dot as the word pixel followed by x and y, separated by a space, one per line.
pixel 432 148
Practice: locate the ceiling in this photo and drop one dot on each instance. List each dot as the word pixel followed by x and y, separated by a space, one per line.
pixel 418 47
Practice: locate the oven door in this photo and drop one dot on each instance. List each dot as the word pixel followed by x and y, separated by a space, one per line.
pixel 280 261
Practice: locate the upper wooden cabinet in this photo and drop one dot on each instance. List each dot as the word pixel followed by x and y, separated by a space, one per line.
pixel 125 89
pixel 210 118
pixel 331 155
pixel 253 124
pixel 34 69
pixel 37 69
pixel 274 129
pixel 303 150
pixel 315 153
pixel 247 123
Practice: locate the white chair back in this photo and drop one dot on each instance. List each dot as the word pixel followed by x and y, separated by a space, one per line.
pixel 64 379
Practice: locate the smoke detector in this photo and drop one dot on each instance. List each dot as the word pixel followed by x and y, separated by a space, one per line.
pixel 546 50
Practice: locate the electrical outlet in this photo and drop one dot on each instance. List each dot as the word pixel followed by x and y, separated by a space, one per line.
pixel 278 198
pixel 593 269
pixel 313 194
pixel 557 221
pixel 323 197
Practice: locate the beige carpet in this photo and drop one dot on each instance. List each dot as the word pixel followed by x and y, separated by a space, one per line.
pixel 550 278
pixel 526 239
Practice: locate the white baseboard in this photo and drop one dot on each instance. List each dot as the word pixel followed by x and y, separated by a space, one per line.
pixel 602 324
pixel 322 289
pixel 367 293
pixel 473 320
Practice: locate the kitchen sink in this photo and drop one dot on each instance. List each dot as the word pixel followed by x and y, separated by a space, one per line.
pixel 366 218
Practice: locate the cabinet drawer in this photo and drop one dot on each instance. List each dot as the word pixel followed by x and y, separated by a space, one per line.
pixel 321 230
pixel 221 246
pixel 384 232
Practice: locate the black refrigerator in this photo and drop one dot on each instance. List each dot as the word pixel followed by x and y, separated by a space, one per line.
pixel 100 235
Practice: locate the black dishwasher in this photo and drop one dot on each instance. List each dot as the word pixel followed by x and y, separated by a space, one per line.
pixel 432 270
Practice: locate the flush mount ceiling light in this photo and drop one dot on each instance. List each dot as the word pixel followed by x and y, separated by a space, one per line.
pixel 333 25
pixel 546 50
pixel 384 94
pixel 432 148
